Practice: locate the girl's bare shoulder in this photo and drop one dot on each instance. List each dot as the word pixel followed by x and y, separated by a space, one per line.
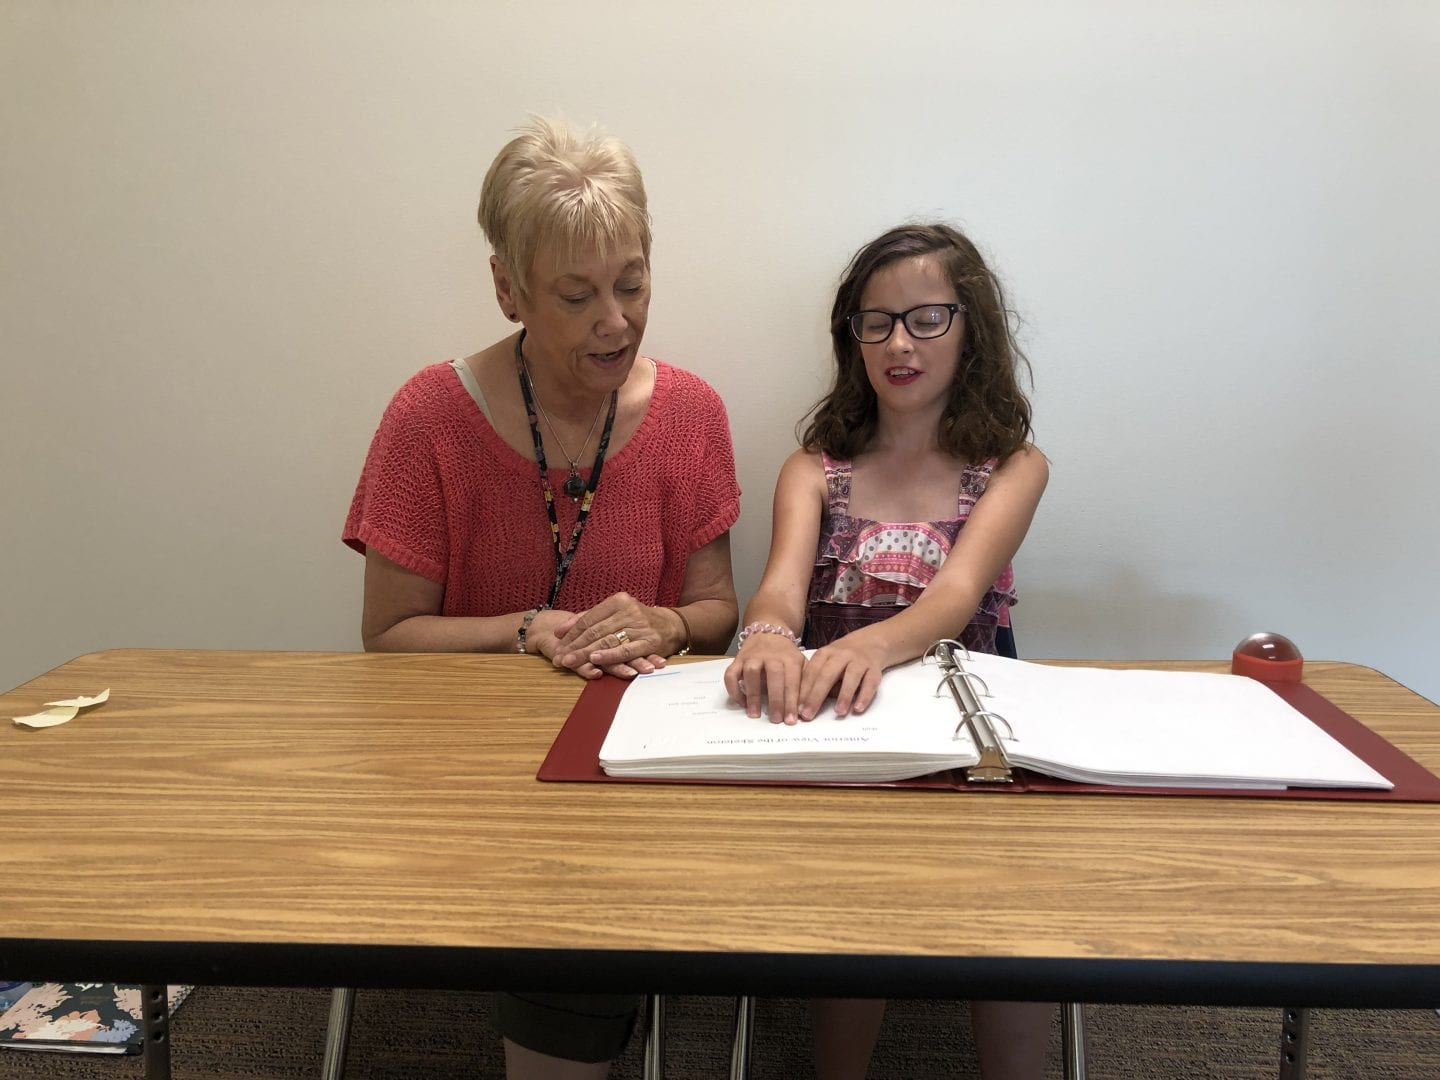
pixel 1028 465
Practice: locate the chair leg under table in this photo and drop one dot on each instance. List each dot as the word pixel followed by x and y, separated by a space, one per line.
pixel 337 1033
pixel 744 1038
pixel 653 1067
pixel 1072 1040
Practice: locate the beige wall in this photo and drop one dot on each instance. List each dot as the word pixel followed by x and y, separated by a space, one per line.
pixel 231 229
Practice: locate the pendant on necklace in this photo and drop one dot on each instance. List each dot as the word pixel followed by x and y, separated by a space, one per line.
pixel 574 486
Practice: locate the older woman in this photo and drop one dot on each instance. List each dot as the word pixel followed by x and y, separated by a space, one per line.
pixel 556 493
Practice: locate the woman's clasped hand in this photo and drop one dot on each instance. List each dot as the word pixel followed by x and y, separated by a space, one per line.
pixel 618 636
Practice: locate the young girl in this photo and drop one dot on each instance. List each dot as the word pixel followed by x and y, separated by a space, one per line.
pixel 894 526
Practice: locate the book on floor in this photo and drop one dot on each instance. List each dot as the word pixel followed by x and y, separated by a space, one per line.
pixel 82 1018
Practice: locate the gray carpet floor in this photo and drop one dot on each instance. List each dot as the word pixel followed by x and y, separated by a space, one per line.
pixel 225 1033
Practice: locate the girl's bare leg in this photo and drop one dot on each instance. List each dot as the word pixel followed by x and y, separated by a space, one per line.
pixel 1011 1038
pixel 844 1031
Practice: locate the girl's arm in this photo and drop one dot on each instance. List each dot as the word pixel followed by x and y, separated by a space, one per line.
pixel 769 665
pixel 850 668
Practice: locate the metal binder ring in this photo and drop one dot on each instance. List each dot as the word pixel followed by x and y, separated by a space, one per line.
pixel 958 673
pixel 965 721
pixel 992 717
pixel 944 651
pixel 968 675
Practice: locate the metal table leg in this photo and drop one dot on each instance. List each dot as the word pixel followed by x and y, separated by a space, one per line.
pixel 1294 1043
pixel 155 1007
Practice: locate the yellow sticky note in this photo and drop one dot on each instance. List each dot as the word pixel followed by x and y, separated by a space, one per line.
pixel 84 702
pixel 56 714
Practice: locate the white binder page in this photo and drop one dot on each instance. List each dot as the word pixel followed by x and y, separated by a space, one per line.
pixel 680 722
pixel 1167 728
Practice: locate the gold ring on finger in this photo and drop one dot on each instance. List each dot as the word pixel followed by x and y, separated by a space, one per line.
pixel 622 636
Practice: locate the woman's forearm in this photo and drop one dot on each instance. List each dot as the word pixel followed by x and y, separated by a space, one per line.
pixel 448 633
pixel 712 624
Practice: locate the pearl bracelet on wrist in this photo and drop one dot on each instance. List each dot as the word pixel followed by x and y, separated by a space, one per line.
pixel 525 620
pixel 767 628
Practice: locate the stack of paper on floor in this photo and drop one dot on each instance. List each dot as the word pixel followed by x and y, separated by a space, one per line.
pixel 1094 725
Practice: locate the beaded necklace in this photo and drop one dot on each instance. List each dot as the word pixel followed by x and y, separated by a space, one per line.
pixel 562 559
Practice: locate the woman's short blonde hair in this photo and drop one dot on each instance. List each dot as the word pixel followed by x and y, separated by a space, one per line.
pixel 551 187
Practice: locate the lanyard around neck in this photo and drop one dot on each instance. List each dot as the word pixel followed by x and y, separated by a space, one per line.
pixel 562 559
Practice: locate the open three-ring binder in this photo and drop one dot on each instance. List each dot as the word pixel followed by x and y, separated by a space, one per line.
pixel 993 765
pixel 961 721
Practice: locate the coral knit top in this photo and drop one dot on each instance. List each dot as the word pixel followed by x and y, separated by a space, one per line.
pixel 444 496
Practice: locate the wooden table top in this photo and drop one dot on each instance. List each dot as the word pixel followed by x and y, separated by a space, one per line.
pixel 368 819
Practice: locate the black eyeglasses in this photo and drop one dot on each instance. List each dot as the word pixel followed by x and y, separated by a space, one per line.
pixel 925 321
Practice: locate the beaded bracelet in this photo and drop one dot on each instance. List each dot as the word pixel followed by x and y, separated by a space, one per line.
pixel 688 637
pixel 525 622
pixel 767 628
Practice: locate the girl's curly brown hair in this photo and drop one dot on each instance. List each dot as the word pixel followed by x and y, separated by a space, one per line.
pixel 987 414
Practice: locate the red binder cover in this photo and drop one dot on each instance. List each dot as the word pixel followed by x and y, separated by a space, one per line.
pixel 575 755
